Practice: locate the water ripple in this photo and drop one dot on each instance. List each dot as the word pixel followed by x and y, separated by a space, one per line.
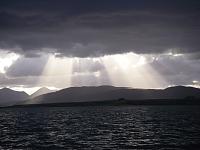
pixel 138 127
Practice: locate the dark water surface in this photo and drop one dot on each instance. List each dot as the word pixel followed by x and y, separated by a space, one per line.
pixel 127 127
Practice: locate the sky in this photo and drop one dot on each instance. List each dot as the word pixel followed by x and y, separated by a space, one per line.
pixel 131 43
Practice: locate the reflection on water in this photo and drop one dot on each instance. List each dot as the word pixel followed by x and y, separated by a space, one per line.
pixel 136 127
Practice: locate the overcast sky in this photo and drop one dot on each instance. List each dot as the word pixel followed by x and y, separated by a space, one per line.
pixel 88 42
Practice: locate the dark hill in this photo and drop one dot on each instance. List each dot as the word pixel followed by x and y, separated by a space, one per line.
pixel 104 93
pixel 9 97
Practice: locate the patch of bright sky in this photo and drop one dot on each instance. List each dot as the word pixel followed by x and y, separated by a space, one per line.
pixel 6 60
pixel 30 90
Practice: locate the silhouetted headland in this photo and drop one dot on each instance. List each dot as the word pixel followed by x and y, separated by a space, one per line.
pixel 115 96
pixel 10 97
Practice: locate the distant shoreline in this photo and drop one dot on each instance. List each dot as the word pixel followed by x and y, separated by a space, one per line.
pixel 114 103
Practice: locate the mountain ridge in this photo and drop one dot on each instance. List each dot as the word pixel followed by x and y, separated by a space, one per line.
pixel 10 97
pixel 103 93
pixel 41 91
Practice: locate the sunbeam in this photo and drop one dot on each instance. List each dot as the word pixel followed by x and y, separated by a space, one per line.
pixel 56 73
pixel 132 70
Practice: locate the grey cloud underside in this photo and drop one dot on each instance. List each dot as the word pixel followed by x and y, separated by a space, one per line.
pixel 179 70
pixel 27 67
pixel 95 28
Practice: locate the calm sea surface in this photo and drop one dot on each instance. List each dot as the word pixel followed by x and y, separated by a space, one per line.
pixel 127 127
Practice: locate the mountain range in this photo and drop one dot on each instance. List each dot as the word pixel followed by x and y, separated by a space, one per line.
pixel 106 93
pixel 10 97
pixel 98 94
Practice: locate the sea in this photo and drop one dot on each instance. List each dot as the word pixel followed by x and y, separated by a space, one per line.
pixel 100 127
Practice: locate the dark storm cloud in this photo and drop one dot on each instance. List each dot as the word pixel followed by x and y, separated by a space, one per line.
pixel 17 81
pixel 85 28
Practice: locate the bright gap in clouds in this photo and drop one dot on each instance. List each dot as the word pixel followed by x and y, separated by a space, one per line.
pixel 6 60
pixel 30 90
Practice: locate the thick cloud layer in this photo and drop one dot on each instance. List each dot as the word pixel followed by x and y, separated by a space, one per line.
pixel 85 28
